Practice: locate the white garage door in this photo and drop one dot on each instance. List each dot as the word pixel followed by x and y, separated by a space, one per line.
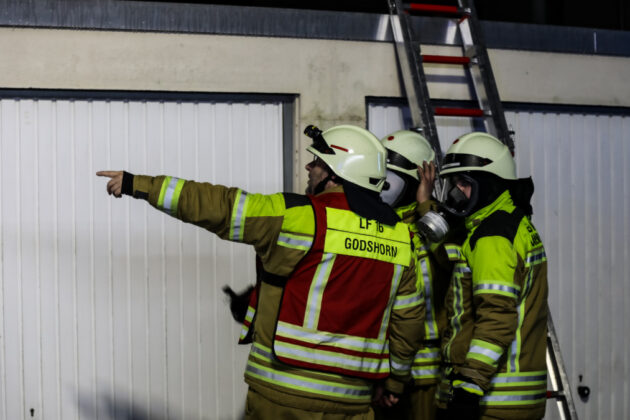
pixel 110 309
pixel 579 163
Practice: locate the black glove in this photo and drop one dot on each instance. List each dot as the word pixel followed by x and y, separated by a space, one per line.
pixel 238 302
pixel 463 406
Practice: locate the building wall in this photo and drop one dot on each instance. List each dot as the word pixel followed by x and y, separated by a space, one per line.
pixel 330 77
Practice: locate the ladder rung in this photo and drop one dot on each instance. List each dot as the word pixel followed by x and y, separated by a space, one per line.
pixel 555 394
pixel 459 112
pixel 437 9
pixel 445 59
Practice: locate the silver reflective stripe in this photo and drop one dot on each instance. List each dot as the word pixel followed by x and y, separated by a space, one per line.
pixel 168 195
pixel 462 269
pixel 512 379
pixel 256 349
pixel 486 352
pixel 469 386
pixel 325 359
pixel 317 290
pixel 301 382
pixel 286 330
pixel 536 256
pixel 425 372
pixel 294 242
pixel 428 355
pixel 398 270
pixel 453 253
pixel 427 299
pixel 499 287
pixel 408 301
pixel 402 366
pixel 492 397
pixel 514 348
pixel 238 217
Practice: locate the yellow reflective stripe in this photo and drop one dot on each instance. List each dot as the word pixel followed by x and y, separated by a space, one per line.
pixel 468 386
pixel 331 358
pixel 248 317
pixel 398 271
pixel 424 278
pixel 407 301
pixel 349 234
pixel 400 366
pixel 507 398
pixel 238 216
pixel 519 379
pixel 291 240
pixel 428 355
pixel 453 252
pixel 458 305
pixel 307 384
pixel 484 352
pixel 537 256
pixel 316 292
pixel 497 287
pixel 370 345
pixel 169 195
pixel 426 372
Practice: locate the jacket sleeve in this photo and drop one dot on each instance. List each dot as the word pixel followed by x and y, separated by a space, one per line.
pixel 231 213
pixel 494 264
pixel 406 330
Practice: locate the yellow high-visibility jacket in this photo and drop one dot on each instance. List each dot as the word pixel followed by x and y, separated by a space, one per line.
pixel 495 341
pixel 281 227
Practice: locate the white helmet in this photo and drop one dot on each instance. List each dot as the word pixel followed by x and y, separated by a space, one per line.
pixel 479 151
pixel 352 152
pixel 406 150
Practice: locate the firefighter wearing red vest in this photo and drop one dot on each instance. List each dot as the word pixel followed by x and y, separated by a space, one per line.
pixel 495 342
pixel 337 308
pixel 408 191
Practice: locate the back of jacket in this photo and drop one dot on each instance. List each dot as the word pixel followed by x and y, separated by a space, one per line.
pixel 497 311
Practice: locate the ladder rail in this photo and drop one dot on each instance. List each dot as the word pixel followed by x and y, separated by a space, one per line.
pixel 558 376
pixel 414 81
pixel 482 74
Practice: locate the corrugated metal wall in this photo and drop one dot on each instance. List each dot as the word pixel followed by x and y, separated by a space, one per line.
pixel 579 164
pixel 111 309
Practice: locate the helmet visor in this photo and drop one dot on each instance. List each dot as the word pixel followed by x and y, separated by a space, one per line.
pixel 393 189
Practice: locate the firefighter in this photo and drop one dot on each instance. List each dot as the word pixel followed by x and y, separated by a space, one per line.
pixel 337 307
pixel 495 342
pixel 410 176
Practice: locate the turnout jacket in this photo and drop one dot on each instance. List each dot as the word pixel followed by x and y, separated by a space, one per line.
pixel 433 283
pixel 495 341
pixel 285 230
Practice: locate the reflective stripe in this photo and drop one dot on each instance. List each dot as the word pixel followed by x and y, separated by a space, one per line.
pixel 485 352
pixel 433 355
pixel 453 252
pixel 305 383
pixel 248 319
pixel 169 195
pixel 536 257
pixel 519 379
pixel 425 373
pixel 468 386
pixel 322 274
pixel 430 324
pixel 500 289
pixel 399 366
pixel 329 358
pixel 462 269
pixel 407 301
pixel 238 216
pixel 514 397
pixel 284 329
pixel 290 240
pixel 398 271
pixel 458 310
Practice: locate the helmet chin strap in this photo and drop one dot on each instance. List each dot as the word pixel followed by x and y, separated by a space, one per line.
pixel 322 184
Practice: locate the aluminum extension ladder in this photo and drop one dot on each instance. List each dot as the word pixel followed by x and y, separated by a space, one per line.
pixel 474 58
pixel 476 62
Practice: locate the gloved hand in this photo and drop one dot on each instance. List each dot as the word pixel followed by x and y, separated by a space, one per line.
pixel 238 302
pixel 463 406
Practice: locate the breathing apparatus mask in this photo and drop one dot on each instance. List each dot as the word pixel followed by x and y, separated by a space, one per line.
pixel 453 206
